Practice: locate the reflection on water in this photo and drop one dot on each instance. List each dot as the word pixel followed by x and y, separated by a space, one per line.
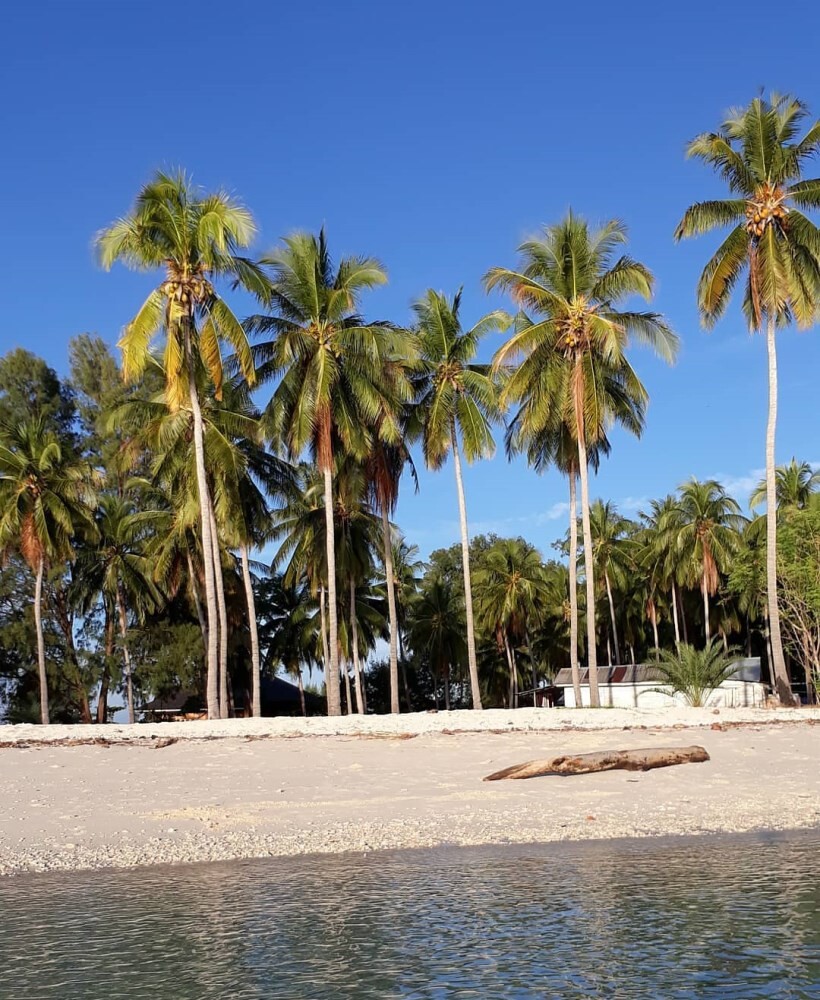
pixel 703 918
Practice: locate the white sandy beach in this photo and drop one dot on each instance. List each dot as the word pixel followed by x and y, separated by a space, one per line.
pixel 251 788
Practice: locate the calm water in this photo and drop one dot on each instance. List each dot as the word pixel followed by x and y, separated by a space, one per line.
pixel 700 918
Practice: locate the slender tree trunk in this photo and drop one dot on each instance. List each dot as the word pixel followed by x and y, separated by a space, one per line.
pixel 348 694
pixel 781 674
pixel 126 656
pixel 354 643
pixel 675 614
pixel 683 618
pixel 705 592
pixel 632 654
pixel 468 590
pixel 256 668
pixel 41 642
pixel 592 652
pixel 403 662
pixel 391 612
pixel 435 690
pixel 654 618
pixel 447 689
pixel 725 639
pixel 612 618
pixel 533 665
pixel 332 675
pixel 573 588
pixel 511 694
pixel 207 544
pixel 301 685
pixel 203 625
pixel 102 701
pixel 608 649
pixel 219 579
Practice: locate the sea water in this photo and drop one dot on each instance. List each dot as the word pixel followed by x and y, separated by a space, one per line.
pixel 702 917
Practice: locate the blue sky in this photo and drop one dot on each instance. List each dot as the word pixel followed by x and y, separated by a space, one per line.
pixel 435 136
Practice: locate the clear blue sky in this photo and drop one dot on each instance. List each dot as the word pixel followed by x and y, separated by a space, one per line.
pixel 435 136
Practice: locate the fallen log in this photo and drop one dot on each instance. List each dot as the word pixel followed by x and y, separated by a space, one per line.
pixel 604 760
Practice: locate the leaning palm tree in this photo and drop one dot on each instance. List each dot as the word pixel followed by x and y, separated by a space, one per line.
pixel 570 278
pixel 795 484
pixel 342 380
pixel 45 501
pixel 196 237
pixel 709 526
pixel 458 399
pixel 773 247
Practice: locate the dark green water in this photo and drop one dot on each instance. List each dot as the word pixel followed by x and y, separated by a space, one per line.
pixel 696 918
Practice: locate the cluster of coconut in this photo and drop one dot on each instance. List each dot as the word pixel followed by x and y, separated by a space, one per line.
pixel 761 212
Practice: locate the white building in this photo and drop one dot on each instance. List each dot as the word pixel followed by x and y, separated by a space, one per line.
pixel 641 686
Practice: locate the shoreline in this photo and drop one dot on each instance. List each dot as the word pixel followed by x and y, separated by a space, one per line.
pixel 251 792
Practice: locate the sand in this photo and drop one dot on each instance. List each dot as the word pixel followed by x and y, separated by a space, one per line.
pixel 255 788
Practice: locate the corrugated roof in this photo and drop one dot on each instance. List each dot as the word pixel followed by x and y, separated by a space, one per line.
pixel 747 669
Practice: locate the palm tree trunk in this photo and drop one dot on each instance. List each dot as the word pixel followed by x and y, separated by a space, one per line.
pixel 533 665
pixel 654 617
pixel 207 545
pixel 447 689
pixel 675 614
pixel 41 642
pixel 323 623
pixel 403 663
pixel 126 656
pixel 354 644
pixel 683 619
pixel 705 592
pixel 102 700
pixel 573 588
pixel 592 652
pixel 612 618
pixel 334 706
pixel 510 671
pixel 224 704
pixel 203 625
pixel 781 674
pixel 348 694
pixel 301 686
pixel 391 612
pixel 468 591
pixel 256 669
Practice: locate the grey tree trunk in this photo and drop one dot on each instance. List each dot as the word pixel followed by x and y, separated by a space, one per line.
pixel 207 544
pixel 573 588
pixel 256 668
pixel 447 689
pixel 126 656
pixel 592 652
pixel 348 694
pixel 300 682
pixel 655 626
pixel 403 663
pixel 612 618
pixel 391 612
pixel 781 675
pixel 334 699
pixel 203 625
pixel 354 643
pixel 675 614
pixel 468 590
pixel 705 593
pixel 41 642
pixel 323 623
pixel 224 703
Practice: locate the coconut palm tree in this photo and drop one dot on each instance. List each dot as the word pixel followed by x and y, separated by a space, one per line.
pixel 614 552
pixel 773 247
pixel 795 484
pixel 436 633
pixel 342 380
pixel 510 586
pixel 709 524
pixel 571 279
pixel 196 237
pixel 119 569
pixel 46 497
pixel 457 401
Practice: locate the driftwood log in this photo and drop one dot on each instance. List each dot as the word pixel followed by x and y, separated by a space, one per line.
pixel 604 760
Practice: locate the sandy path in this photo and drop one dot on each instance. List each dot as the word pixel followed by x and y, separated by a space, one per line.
pixel 122 805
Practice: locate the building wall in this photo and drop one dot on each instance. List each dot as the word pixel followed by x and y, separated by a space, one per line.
pixel 731 694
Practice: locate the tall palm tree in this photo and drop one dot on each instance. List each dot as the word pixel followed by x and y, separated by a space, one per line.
pixel 709 527
pixel 660 557
pixel 342 380
pixel 196 237
pixel 45 501
pixel 570 278
pixel 613 555
pixel 435 632
pixel 457 400
pixel 773 247
pixel 795 484
pixel 510 585
pixel 385 465
pixel 119 568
